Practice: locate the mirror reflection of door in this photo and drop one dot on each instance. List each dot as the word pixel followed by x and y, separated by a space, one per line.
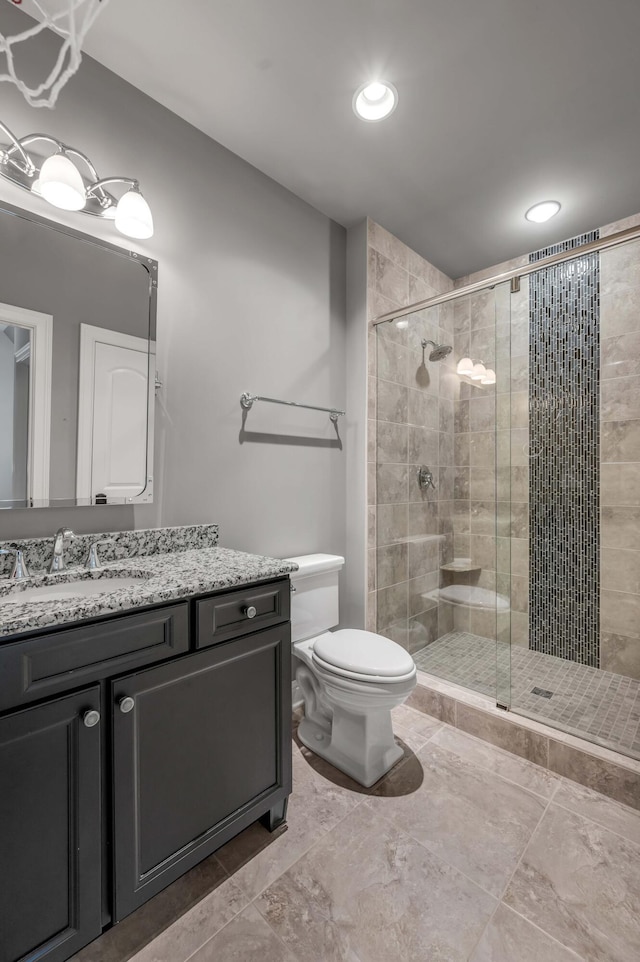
pixel 25 405
pixel 115 416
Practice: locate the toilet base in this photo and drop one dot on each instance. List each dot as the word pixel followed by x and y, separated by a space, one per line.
pixel 322 742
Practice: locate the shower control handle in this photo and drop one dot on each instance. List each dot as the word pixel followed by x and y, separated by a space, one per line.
pixel 425 477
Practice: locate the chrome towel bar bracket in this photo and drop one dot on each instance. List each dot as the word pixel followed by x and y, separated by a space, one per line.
pixel 247 401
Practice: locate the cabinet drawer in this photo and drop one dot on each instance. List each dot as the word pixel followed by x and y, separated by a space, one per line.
pixel 229 615
pixel 43 666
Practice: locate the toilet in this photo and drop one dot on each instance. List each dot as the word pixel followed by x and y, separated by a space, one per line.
pixel 349 679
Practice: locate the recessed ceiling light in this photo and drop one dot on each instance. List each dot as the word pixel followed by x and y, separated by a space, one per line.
pixel 539 213
pixel 375 101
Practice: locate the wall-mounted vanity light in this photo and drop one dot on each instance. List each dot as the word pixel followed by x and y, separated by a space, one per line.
pixel 59 180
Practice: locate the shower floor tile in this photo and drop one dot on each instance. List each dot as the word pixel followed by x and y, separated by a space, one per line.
pixel 584 701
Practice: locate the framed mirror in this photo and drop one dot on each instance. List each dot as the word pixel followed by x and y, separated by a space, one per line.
pixel 77 366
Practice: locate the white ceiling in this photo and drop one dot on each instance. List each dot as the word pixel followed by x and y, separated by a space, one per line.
pixel 502 103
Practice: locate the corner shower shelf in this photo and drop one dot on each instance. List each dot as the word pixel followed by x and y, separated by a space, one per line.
pixel 460 569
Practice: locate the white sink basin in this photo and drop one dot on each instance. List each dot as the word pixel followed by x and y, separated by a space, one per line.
pixel 71 590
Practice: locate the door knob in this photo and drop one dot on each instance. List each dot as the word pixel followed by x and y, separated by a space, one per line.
pixel 126 705
pixel 250 611
pixel 91 718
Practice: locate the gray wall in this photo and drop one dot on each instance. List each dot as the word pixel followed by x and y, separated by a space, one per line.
pixel 251 297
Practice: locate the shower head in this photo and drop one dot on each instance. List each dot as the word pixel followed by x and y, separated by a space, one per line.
pixel 439 352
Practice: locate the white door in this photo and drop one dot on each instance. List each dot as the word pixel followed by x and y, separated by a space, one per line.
pixel 115 419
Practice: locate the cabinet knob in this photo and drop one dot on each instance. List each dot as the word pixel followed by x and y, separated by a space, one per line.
pixel 126 705
pixel 250 611
pixel 91 718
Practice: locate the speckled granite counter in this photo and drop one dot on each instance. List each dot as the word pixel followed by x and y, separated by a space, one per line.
pixel 164 577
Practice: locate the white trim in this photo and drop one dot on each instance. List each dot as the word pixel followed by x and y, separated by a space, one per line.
pixel 89 337
pixel 41 327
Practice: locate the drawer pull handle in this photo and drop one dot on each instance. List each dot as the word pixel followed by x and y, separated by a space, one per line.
pixel 126 705
pixel 91 718
pixel 250 611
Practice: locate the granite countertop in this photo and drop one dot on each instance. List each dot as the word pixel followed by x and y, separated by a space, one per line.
pixel 163 578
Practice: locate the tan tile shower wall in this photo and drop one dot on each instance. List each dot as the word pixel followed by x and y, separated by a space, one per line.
pixel 492 483
pixel 474 458
pixel 410 423
pixel 620 455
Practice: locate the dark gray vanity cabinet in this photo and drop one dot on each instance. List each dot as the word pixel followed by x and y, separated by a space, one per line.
pixel 50 828
pixel 198 747
pixel 131 748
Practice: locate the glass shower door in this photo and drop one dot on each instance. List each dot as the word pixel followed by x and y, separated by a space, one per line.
pixel 575 495
pixel 439 588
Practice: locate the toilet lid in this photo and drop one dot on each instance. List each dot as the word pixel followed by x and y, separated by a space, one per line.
pixel 363 653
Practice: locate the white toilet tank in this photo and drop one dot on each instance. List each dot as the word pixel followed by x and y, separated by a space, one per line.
pixel 314 602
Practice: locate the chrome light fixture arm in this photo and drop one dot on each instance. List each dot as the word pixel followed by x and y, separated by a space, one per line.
pixel 6 155
pixel 105 198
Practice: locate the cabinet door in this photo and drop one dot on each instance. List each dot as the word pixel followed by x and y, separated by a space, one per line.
pixel 203 750
pixel 50 844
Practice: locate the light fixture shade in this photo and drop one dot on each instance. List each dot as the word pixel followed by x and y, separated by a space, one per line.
pixel 60 183
pixel 479 371
pixel 465 367
pixel 375 101
pixel 489 377
pixel 133 216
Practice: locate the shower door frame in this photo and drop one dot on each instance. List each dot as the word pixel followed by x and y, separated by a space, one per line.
pixel 514 275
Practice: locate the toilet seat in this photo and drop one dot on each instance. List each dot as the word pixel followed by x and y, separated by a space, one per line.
pixel 363 656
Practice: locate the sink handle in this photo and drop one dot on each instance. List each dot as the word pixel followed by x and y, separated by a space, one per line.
pixel 19 571
pixel 93 561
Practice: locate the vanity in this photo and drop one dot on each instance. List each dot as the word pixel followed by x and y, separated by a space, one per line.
pixel 145 676
pixel 140 728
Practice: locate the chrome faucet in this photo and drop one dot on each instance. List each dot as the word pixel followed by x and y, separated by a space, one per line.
pixel 57 558
pixel 19 571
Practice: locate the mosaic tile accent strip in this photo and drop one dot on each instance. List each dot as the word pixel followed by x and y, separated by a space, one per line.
pixel 587 702
pixel 564 392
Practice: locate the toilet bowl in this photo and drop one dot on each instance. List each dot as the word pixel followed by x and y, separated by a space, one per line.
pixel 350 679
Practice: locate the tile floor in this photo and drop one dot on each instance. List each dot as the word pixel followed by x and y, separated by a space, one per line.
pixel 463 853
pixel 588 702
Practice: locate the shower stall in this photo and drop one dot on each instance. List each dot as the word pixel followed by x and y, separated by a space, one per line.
pixel 506 472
